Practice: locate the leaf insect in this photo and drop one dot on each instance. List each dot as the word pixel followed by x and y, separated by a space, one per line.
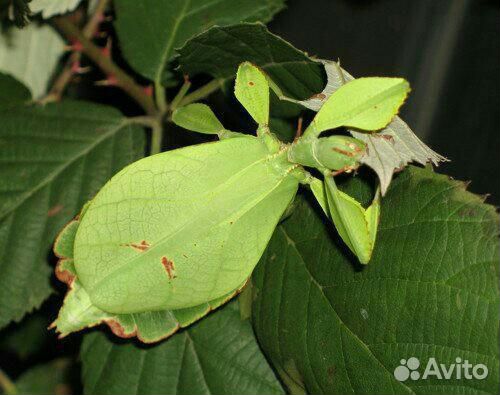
pixel 175 235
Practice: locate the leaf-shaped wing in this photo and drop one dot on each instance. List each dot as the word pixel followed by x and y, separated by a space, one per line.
pixel 365 103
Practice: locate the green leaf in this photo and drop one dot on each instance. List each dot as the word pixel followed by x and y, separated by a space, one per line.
pixel 12 92
pixel 218 355
pixel 46 379
pixel 52 160
pixel 431 290
pixel 166 25
pixel 31 55
pixel 365 103
pixel 49 8
pixel 220 50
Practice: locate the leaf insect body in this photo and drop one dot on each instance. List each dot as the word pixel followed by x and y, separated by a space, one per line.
pixel 176 234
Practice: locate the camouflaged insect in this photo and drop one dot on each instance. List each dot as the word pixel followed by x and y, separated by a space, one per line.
pixel 177 234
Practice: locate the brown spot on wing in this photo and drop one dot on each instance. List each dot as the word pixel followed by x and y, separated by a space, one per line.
pixel 250 83
pixel 142 246
pixel 169 267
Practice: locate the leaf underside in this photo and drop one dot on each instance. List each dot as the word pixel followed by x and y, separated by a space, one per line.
pixel 431 290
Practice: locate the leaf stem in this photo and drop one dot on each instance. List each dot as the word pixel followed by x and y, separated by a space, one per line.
pixel 160 96
pixel 6 384
pixel 201 92
pixel 180 95
pixel 104 62
pixel 156 137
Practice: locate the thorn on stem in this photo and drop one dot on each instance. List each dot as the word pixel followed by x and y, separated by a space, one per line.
pixel 76 46
pixel 110 81
pixel 76 68
pixel 106 51
pixel 148 90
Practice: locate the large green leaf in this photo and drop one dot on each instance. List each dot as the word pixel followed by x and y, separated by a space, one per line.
pixel 52 160
pixel 220 50
pixel 166 25
pixel 430 291
pixel 219 355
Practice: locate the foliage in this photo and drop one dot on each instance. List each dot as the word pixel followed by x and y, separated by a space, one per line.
pixel 311 318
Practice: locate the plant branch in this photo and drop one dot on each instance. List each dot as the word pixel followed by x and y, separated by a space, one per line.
pixel 67 73
pixel 202 92
pixel 6 384
pixel 120 77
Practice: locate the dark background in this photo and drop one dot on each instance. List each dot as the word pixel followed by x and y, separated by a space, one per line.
pixel 447 49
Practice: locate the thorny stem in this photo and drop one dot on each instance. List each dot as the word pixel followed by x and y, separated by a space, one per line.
pixel 123 80
pixel 66 75
pixel 6 384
